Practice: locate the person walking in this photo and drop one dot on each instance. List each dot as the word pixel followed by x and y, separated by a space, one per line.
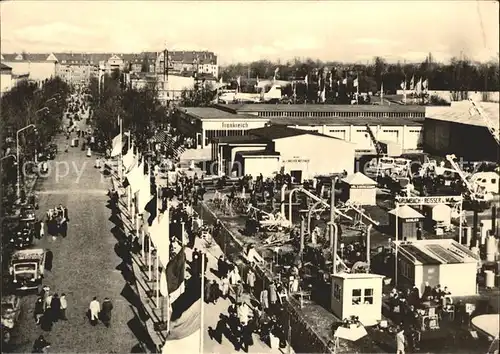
pixel 225 287
pixel 55 306
pixel 40 345
pixel 94 309
pixel 64 306
pixel 42 229
pixel 264 299
pixel 107 306
pixel 250 280
pixel 238 291
pixel 273 295
pixel 38 313
pixel 400 341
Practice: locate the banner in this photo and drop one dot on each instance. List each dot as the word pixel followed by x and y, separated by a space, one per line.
pixel 117 146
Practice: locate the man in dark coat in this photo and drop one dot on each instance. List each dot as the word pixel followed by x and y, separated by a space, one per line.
pixel 65 214
pixel 55 308
pixel 106 308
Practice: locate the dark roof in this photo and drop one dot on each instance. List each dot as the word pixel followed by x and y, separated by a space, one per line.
pixel 356 121
pixel 258 153
pixel 322 108
pixel 242 139
pixel 420 256
pixel 5 67
pixel 279 132
pixel 33 57
pixel 214 113
pixel 190 57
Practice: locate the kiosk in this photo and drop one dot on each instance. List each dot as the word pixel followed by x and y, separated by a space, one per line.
pixel 357 294
pixel 360 189
pixel 408 220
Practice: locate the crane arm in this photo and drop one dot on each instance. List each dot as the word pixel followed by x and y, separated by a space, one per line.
pixel 458 170
pixel 318 199
pixel 493 131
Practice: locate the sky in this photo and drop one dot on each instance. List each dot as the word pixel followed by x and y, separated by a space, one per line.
pixel 243 31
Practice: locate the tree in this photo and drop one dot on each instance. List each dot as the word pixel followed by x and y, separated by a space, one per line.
pixel 201 97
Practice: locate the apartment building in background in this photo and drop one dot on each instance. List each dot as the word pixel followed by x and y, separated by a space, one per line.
pixel 79 68
pixel 37 67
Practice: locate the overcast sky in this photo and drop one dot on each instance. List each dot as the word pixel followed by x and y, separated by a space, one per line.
pixel 244 31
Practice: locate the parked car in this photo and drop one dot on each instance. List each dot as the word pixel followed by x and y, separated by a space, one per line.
pixel 11 309
pixel 27 212
pixel 23 236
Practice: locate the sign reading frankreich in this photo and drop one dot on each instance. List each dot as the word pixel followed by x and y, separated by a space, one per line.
pixel 449 199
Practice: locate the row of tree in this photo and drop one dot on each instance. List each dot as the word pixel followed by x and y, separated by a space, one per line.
pixel 139 109
pixel 460 74
pixel 27 103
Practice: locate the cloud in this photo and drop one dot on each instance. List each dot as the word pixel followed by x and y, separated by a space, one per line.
pixel 375 41
pixel 51 30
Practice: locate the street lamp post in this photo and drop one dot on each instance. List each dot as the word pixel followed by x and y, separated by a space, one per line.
pixel 18 184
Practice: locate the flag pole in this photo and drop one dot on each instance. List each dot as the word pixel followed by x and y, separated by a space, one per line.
pixel 202 300
pixel 357 88
pixel 120 161
pixel 157 274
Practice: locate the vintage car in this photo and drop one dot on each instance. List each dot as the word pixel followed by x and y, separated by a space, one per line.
pixel 27 213
pixel 27 268
pixel 23 235
pixel 11 308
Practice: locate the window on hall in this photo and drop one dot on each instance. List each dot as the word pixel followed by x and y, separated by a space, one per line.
pixel 337 131
pixel 356 296
pixel 414 131
pixel 368 297
pixel 361 130
pixel 337 292
pixel 390 131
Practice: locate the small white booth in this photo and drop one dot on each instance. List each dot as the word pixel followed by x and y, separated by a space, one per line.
pixel 357 294
pixel 360 189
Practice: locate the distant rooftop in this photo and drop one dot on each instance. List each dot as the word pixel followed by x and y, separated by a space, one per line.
pixel 341 121
pixel 214 113
pixel 460 112
pixel 319 108
pixel 436 252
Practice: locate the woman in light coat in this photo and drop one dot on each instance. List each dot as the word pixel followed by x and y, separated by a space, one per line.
pixel 94 309
pixel 264 299
pixel 225 287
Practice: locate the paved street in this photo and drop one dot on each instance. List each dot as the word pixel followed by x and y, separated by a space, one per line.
pixel 84 263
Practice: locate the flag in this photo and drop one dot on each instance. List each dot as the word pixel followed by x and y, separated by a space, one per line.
pixel 117 145
pixel 403 85
pixel 412 83
pixel 306 80
pixel 160 238
pixel 276 73
pixel 382 93
pixel 257 80
pixel 163 283
pixel 344 82
pixel 238 81
pixel 185 332
pixel 220 80
pixel 418 88
pixel 129 159
pixel 425 85
pixel 135 178
pixel 355 83
pixel 144 195
pixel 175 275
pixel 331 81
